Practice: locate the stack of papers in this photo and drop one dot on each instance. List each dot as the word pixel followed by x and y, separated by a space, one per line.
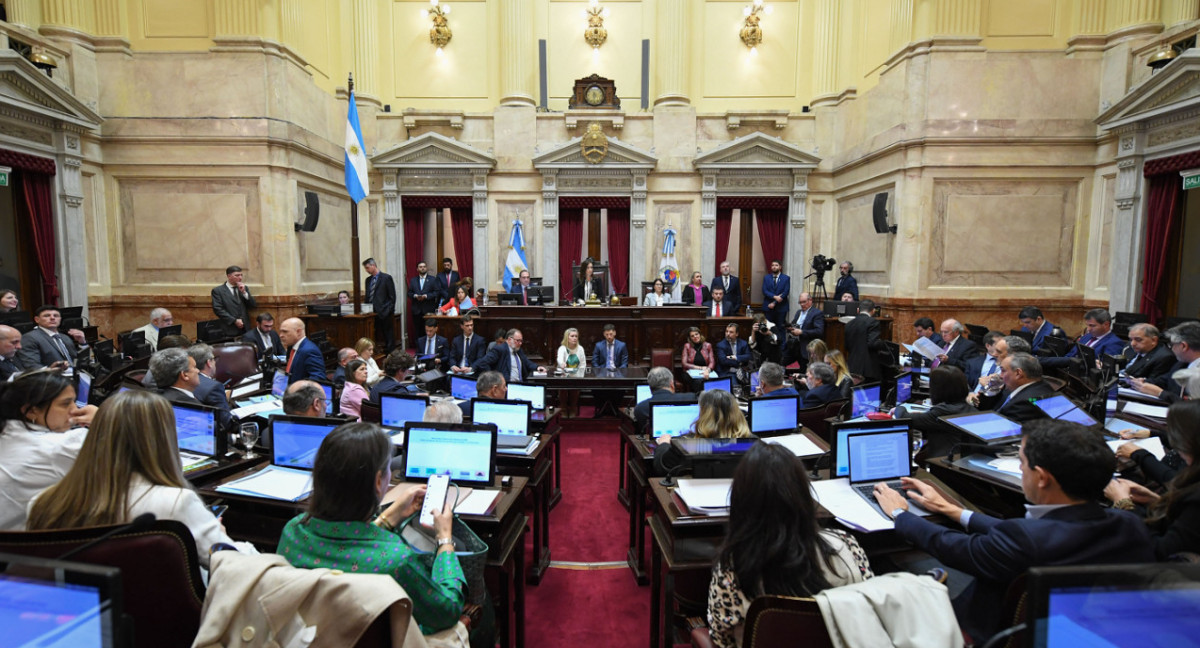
pixel 271 406
pixel 1144 409
pixel 191 461
pixel 848 507
pixel 799 444
pixel 246 388
pixel 705 496
pixel 526 449
pixel 477 502
pixel 1010 465
pixel 1153 445
pixel 272 482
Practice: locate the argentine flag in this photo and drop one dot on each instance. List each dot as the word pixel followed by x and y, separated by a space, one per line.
pixel 356 157
pixel 668 268
pixel 514 263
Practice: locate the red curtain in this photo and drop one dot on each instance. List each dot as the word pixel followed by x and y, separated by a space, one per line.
pixel 570 245
pixel 724 225
pixel 37 190
pixel 1160 221
pixel 461 226
pixel 414 241
pixel 618 250
pixel 772 224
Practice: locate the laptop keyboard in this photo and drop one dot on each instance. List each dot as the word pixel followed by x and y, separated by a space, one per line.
pixel 868 490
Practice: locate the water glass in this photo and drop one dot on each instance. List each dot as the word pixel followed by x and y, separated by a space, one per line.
pixel 249 437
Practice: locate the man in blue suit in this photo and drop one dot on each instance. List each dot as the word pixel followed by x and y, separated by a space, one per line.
pixel 1032 322
pixel 770 380
pixel 731 352
pixel 448 276
pixel 1064 469
pixel 509 359
pixel 304 356
pixel 822 385
pixel 432 344
pixel 718 305
pixel 732 287
pixel 611 353
pixel 468 348
pixel 775 289
pixel 425 293
pixel 808 325
pixel 1099 337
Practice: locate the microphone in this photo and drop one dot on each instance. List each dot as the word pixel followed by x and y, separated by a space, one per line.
pixel 137 524
pixel 669 480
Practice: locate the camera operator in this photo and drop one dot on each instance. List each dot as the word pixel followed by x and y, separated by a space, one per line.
pixel 764 343
pixel 846 284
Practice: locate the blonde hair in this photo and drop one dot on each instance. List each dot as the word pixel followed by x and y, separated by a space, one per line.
pixel 567 337
pixel 817 351
pixel 362 345
pixel 133 433
pixel 835 359
pixel 720 417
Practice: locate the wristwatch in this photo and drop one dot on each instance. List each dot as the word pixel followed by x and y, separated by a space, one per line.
pixel 445 541
pixel 897 511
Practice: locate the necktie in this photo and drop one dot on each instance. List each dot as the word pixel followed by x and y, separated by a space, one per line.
pixel 514 373
pixel 429 346
pixel 726 281
pixel 524 296
pixel 466 345
pixel 1092 342
pixel 718 307
pixel 611 363
pixel 291 354
pixel 421 283
pixel 995 367
pixel 62 348
pixel 371 288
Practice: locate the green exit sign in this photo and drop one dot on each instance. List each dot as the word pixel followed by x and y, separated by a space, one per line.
pixel 1189 182
pixel 4 171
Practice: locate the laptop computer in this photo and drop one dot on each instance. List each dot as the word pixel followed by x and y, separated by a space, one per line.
pixel 196 430
pixel 673 418
pixel 462 388
pixel 397 409
pixel 510 417
pixel 725 383
pixel 866 400
pixel 534 394
pixel 467 453
pixel 279 383
pixel 881 456
pixel 773 415
pixel 296 439
pixel 904 388
pixel 840 308
pixel 643 393
pixel 989 428
pixel 1059 406
pixel 83 387
pixel 56 603
pixel 842 430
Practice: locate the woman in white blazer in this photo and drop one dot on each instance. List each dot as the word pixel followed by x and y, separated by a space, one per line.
pixel 657 295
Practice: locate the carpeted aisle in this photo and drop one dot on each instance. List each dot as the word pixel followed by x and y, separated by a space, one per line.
pixel 597 603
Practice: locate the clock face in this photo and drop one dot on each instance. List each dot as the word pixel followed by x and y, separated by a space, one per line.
pixel 594 96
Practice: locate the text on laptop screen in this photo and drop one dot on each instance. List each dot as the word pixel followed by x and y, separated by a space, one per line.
pixel 773 414
pixel 673 419
pixel 83 388
pixel 903 388
pixel 841 459
pixel 465 456
pixel 38 613
pixel 988 426
pixel 195 429
pixel 509 418
pixel 295 443
pixel 643 393
pixel 328 399
pixel 866 399
pixel 719 383
pixel 395 411
pixel 878 456
pixel 462 388
pixel 1061 407
pixel 535 394
pixel 1121 616
pixel 279 384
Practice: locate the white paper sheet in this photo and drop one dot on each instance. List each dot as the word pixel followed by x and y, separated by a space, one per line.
pixel 1143 409
pixel 477 503
pixel 705 494
pixel 848 506
pixel 1153 444
pixel 251 410
pixel 799 444
pixel 248 388
pixel 927 348
pixel 1011 465
pixel 189 459
pixel 273 482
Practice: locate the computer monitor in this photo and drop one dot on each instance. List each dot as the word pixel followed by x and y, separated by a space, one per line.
pixel 1059 406
pixel 773 415
pixel 467 453
pixel 508 299
pixel 841 431
pixel 166 331
pixel 462 388
pixel 58 603
pixel 712 458
pixel 279 383
pixel 534 394
pixel 903 388
pixel 397 409
pixel 509 416
pixel 725 383
pixel 70 312
pixel 196 429
pixel 866 400
pixel 673 419
pixel 987 427
pixel 840 308
pixel 643 393
pixel 329 402
pixel 296 439
pixel 83 387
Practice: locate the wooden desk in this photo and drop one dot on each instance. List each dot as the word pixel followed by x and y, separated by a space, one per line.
pixel 835 332
pixel 343 330
pixel 226 466
pixel 640 328
pixel 993 494
pixel 539 469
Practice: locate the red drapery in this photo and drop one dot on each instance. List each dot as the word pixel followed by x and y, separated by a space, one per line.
pixel 724 226
pixel 772 224
pixel 414 242
pixel 570 244
pixel 37 190
pixel 461 226
pixel 1164 190
pixel 618 250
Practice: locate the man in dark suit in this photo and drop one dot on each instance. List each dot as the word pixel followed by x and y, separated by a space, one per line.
pixel 448 276
pixel 232 301
pixel 776 287
pixel 44 346
pixel 381 294
pixel 524 288
pixel 846 283
pixel 610 353
pixel 1098 337
pixel 730 353
pixel 10 360
pixel 863 345
pixel 806 326
pixel 925 329
pixel 987 363
pixel 424 294
pixel 490 385
pixel 688 293
pixel 344 356
pixel 264 337
pixel 1032 322
pixel 1022 376
pixel 509 359
pixel 468 348
pixel 732 287
pixel 770 381
pixel 395 374
pixel 1184 342
pixel 208 391
pixel 304 356
pixel 958 349
pixel 1148 358
pixel 432 344
pixel 822 385
pixel 176 374
pixel 1064 469
pixel 717 305
pixel 662 390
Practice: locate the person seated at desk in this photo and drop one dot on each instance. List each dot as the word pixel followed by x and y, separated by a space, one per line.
pixel 489 385
pixel 340 529
pixel 468 348
pixel 662 390
pixel 1185 344
pixel 958 350
pixel 730 352
pixel 1064 469
pixel 209 391
pixel 10 359
pixel 177 372
pixel 159 317
pixel 774 545
pixel 164 343
pixel 42 433
pixel 45 346
pixel 947 396
pixel 9 301
pixel 720 418
pixel 129 466
pixel 697 347
pixel 611 353
pixel 587 286
pixel 344 356
pixel 509 359
pixel 1032 322
pixel 304 356
pixel 765 345
pixel 395 373
pixel 821 386
pixel 1022 377
pixel 304 398
pixel 263 336
pixel 354 390
pixel 924 328
pixel 770 381
pixel 1148 358
pixel 1099 337
pixel 443 411
pixel 843 377
pixel 717 305
pixel 987 364
pixel 497 339
pixel 460 303
pixel 433 345
pixel 343 297
pixel 657 296
pixel 364 349
pixel 1174 517
pixel 572 360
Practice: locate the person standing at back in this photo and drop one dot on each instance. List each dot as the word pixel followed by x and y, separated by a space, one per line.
pixel 381 294
pixel 731 286
pixel 775 289
pixel 232 301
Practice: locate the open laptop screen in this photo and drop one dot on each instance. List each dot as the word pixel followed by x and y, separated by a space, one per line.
pixel 719 383
pixel 464 452
pixel 879 456
pixel 643 393
pixel 673 419
pixel 83 387
pixel 509 417
pixel 773 414
pixel 51 603
pixel 866 400
pixel 903 388
pixel 195 428
pixel 397 409
pixel 534 394
pixel 296 439
pixel 462 388
pixel 988 427
pixel 279 384
pixel 845 430
pixel 1059 406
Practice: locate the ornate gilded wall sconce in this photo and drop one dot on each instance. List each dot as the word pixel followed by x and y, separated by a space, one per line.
pixel 439 33
pixel 751 33
pixel 595 34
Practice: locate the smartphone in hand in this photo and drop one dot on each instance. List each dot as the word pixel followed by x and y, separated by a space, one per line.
pixel 435 498
pixel 218 510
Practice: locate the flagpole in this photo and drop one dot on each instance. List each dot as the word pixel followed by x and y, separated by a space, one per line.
pixel 354 225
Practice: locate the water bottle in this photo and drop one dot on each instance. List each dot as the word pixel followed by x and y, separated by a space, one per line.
pixel 749 313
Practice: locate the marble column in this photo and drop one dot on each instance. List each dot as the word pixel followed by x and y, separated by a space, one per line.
pixel 26 13
pixel 708 223
pixel 393 241
pixel 517 66
pixel 550 229
pixel 795 255
pixel 235 18
pixel 68 220
pixel 290 20
pixel 957 17
pixel 66 13
pixel 1129 223
pixel 1138 12
pixel 637 233
pixel 364 20
pixel 1175 12
pixel 1090 17
pixel 826 45
pixel 902 24
pixel 485 272
pixel 671 62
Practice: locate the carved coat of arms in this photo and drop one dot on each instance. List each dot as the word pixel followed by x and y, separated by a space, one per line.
pixel 594 144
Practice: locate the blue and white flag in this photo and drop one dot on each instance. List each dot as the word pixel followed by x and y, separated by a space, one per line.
pixel 514 263
pixel 668 268
pixel 356 157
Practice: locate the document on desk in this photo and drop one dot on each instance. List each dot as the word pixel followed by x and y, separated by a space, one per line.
pixel 272 482
pixel 246 388
pixel 256 408
pixel 1153 445
pixel 799 444
pixel 1145 409
pixel 927 348
pixel 478 502
pixel 705 496
pixel 1010 465
pixel 849 507
pixel 697 374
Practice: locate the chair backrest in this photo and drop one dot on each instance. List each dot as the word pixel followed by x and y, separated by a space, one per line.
pixel 813 418
pixel 782 621
pixel 235 361
pixel 1015 610
pixel 160 574
pixel 370 412
pixel 660 357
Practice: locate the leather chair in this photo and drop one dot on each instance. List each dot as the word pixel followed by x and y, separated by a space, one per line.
pixel 662 358
pixel 1014 610
pixel 235 360
pixel 370 412
pixel 160 574
pixel 813 418
pixel 777 621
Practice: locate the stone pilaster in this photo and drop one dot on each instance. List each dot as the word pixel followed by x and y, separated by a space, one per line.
pixel 67 13
pixel 235 18
pixel 671 60
pixel 708 223
pixel 795 255
pixel 517 65
pixel 1175 12
pixel 1129 223
pixel 485 271
pixel 365 19
pixel 957 17
pixel 637 234
pixel 68 222
pixel 826 44
pixel 550 228
pixel 902 24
